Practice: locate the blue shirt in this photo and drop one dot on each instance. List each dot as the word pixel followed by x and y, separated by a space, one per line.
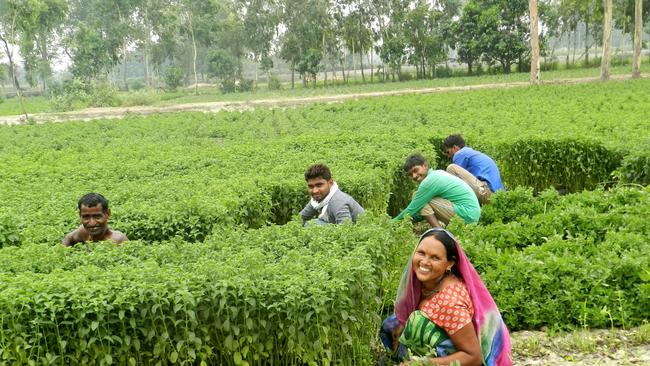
pixel 480 165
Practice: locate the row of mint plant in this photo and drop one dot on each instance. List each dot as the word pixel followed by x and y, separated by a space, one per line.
pixel 278 295
pixel 576 260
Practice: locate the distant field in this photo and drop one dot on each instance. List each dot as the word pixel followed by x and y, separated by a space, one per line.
pixel 212 94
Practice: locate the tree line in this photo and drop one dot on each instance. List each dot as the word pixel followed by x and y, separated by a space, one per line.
pixel 185 38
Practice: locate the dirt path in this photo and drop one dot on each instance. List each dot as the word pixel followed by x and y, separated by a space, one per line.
pixel 585 348
pixel 120 112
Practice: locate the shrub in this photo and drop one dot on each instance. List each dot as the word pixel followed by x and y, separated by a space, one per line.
pixel 274 82
pixel 102 94
pixel 173 77
pixel 228 86
pixel 246 85
pixel 570 164
pixel 635 168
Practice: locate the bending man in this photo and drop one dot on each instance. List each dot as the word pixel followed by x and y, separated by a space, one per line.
pixel 474 167
pixel 439 196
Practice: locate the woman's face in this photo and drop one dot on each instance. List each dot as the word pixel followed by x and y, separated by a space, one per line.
pixel 430 262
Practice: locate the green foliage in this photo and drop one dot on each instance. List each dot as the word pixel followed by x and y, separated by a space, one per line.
pixel 569 164
pixel 276 295
pixel 635 168
pixel 173 77
pixel 72 93
pixel 577 253
pixel 274 82
pixel 9 232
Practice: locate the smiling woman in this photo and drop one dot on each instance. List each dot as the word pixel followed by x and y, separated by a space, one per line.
pixel 443 309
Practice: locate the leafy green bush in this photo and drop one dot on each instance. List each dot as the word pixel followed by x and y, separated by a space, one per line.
pixel 103 94
pixel 570 164
pixel 274 82
pixel 173 77
pixel 246 85
pixel 635 168
pixel 9 233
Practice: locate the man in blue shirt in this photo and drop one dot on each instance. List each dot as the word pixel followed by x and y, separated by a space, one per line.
pixel 478 170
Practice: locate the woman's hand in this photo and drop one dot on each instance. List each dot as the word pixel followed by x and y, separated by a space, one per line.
pixel 397 332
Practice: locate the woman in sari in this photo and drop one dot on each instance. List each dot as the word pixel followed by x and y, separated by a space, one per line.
pixel 444 313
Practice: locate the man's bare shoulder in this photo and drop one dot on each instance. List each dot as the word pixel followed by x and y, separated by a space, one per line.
pixel 118 237
pixel 76 236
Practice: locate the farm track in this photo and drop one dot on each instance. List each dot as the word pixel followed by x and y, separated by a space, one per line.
pixel 121 112
pixel 603 347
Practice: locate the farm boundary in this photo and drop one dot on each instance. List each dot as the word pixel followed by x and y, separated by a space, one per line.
pixel 121 112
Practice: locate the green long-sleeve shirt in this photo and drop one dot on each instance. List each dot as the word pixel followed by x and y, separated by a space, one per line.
pixel 439 183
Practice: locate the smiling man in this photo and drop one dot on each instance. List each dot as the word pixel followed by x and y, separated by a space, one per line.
pixel 439 196
pixel 328 203
pixel 94 214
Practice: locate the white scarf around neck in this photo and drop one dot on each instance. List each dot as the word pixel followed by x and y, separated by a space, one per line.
pixel 322 205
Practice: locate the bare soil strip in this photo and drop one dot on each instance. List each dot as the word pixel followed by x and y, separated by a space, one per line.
pixel 121 112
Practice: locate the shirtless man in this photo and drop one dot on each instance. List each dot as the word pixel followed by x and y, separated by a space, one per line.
pixel 94 214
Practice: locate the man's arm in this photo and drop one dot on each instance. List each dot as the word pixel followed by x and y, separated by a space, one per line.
pixel 426 191
pixel 308 212
pixel 342 213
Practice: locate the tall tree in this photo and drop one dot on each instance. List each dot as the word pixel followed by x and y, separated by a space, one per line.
pixel 39 27
pixel 260 22
pixel 467 35
pixel 638 35
pixel 10 12
pixel 96 36
pixel 393 48
pixel 534 42
pixel 504 32
pixel 302 41
pixel 607 40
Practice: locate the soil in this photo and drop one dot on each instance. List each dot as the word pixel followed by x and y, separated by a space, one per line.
pixel 120 112
pixel 594 347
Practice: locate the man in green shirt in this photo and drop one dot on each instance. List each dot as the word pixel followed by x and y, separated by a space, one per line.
pixel 439 196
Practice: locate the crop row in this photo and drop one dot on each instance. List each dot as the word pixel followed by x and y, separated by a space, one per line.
pixel 558 261
pixel 278 295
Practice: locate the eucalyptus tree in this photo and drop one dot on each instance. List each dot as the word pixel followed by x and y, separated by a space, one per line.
pixel 534 42
pixel 301 45
pixel 503 26
pixel 467 35
pixel 260 25
pixel 95 37
pixel 39 24
pixel 424 35
pixel 392 50
pixel 607 40
pixel 638 35
pixel 357 27
pixel 10 13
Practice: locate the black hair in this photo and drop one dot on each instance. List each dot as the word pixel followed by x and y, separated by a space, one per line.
pixel 414 160
pixel 318 171
pixel 453 140
pixel 450 247
pixel 92 200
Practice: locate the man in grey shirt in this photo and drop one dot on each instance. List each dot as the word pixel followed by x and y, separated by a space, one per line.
pixel 328 203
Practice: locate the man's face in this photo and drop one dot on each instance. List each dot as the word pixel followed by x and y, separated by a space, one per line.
pixel 451 151
pixel 319 188
pixel 95 220
pixel 418 172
